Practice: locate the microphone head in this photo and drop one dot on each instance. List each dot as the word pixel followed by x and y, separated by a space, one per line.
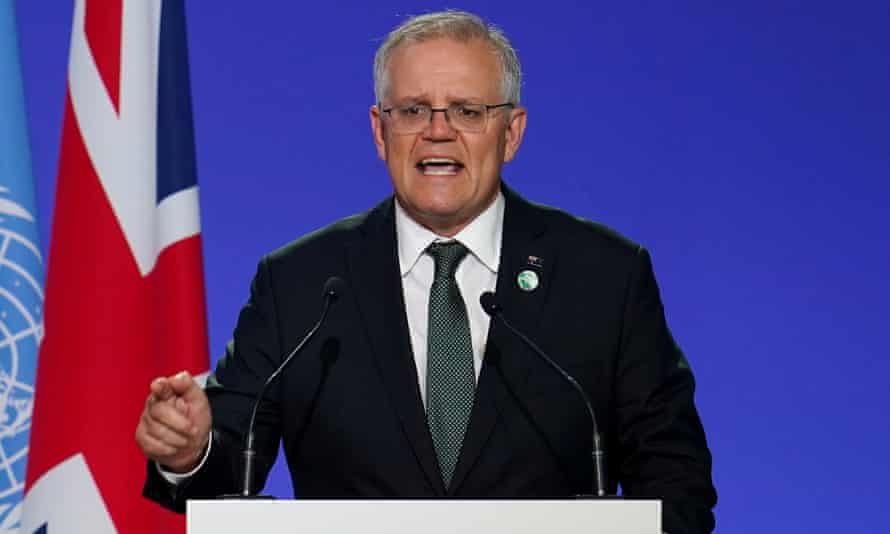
pixel 334 288
pixel 489 303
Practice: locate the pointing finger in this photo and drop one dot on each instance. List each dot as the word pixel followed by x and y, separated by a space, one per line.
pixel 161 388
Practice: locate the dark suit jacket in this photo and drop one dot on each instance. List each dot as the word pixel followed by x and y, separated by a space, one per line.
pixel 349 410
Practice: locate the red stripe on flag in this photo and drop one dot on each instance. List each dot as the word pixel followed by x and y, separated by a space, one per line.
pixel 102 25
pixel 109 331
pixel 177 288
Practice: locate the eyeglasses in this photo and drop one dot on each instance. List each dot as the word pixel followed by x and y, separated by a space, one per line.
pixel 468 118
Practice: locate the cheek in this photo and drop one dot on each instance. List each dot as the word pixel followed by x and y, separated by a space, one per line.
pixel 488 159
pixel 398 153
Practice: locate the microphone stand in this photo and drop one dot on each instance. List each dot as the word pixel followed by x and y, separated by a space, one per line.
pixel 490 305
pixel 333 288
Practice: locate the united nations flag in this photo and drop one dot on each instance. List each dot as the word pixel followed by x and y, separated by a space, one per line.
pixel 21 280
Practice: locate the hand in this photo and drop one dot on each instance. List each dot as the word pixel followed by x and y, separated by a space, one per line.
pixel 174 428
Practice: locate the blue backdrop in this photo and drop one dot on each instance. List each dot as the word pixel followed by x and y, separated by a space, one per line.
pixel 746 145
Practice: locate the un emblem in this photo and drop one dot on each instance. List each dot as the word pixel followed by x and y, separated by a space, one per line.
pixel 21 329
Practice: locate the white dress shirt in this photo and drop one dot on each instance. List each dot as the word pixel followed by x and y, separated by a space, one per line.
pixel 476 274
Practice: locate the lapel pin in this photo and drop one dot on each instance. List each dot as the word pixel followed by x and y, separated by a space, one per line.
pixel 527 280
pixel 536 262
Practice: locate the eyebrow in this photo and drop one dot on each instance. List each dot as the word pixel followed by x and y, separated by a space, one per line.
pixel 426 101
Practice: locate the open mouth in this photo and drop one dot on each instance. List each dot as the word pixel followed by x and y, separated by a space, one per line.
pixel 439 166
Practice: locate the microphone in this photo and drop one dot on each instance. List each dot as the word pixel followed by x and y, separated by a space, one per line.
pixel 334 288
pixel 490 304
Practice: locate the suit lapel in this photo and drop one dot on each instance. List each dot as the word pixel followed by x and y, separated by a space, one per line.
pixel 374 270
pixel 505 365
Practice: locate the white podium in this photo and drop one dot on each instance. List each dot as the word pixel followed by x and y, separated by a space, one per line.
pixel 610 516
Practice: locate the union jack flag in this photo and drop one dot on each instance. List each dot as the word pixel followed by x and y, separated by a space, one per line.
pixel 124 292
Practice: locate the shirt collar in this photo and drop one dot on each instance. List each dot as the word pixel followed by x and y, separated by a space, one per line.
pixel 482 236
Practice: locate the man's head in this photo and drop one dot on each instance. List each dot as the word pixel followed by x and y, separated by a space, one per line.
pixel 445 167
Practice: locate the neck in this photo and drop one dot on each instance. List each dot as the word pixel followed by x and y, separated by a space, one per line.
pixel 445 225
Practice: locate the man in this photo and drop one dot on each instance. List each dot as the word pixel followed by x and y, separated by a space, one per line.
pixel 407 390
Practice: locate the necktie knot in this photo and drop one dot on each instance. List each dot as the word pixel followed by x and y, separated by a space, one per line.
pixel 447 257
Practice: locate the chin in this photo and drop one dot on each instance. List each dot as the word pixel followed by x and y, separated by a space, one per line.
pixel 439 212
pixel 437 200
pixel 434 216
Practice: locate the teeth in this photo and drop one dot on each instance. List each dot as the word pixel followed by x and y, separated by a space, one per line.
pixel 439 171
pixel 440 161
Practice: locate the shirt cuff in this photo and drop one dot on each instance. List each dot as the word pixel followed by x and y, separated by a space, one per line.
pixel 178 478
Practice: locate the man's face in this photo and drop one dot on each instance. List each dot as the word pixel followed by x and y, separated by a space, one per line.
pixel 445 198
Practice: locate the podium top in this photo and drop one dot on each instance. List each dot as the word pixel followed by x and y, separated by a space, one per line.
pixel 426 516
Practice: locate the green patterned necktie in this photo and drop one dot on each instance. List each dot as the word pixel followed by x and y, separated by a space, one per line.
pixel 451 379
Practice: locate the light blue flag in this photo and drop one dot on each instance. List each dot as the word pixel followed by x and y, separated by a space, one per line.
pixel 21 279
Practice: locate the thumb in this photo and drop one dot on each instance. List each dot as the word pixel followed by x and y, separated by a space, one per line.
pixel 188 388
pixel 181 382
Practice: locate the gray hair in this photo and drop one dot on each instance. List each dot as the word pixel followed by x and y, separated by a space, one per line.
pixel 457 25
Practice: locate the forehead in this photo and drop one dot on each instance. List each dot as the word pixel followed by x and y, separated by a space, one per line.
pixel 444 68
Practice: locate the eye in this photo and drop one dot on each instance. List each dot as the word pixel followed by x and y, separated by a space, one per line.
pixel 467 112
pixel 413 111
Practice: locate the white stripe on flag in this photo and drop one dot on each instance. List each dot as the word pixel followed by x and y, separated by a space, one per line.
pixel 177 217
pixel 67 498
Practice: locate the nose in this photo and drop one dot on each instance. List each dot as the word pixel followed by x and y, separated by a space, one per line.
pixel 439 127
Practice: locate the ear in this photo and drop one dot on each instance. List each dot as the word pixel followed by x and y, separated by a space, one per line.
pixel 377 131
pixel 515 130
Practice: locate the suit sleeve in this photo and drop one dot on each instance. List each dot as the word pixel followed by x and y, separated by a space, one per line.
pixel 250 359
pixel 662 447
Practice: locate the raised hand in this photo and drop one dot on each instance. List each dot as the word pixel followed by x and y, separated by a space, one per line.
pixel 174 428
